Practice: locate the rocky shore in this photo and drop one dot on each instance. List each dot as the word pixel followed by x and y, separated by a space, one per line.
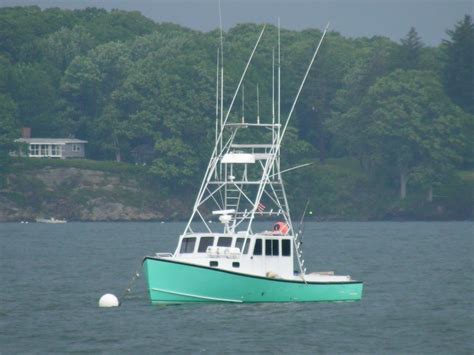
pixel 83 195
pixel 105 191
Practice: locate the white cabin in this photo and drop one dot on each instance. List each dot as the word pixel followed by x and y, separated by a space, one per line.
pixel 264 254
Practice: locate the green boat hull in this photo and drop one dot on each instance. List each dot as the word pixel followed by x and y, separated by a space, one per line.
pixel 171 281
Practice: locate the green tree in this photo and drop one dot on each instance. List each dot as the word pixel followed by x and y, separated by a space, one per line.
pixel 413 129
pixel 20 28
pixel 325 79
pixel 5 73
pixel 177 163
pixel 80 88
pixel 32 88
pixel 116 25
pixel 61 47
pixel 8 129
pixel 410 52
pixel 458 72
pixel 87 87
pixel 348 123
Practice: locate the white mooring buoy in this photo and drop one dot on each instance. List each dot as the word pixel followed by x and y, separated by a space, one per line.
pixel 109 300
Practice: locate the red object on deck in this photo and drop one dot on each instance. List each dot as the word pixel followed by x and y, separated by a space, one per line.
pixel 280 228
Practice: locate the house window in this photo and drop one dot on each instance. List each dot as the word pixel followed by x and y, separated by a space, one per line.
pixel 272 247
pixel 55 150
pixel 187 245
pixel 286 247
pixel 240 242
pixel 44 149
pixel 76 148
pixel 34 149
pixel 257 250
pixel 204 243
pixel 224 242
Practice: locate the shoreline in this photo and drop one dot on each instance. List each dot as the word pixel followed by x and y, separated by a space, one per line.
pixel 311 220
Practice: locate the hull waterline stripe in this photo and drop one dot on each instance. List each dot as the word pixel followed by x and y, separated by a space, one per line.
pixel 196 296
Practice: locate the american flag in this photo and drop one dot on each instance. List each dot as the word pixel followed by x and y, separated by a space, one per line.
pixel 261 207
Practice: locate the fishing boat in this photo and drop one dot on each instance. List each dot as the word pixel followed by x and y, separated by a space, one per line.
pixel 231 261
pixel 51 220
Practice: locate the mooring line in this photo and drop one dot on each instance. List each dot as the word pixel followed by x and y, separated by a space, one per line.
pixel 135 276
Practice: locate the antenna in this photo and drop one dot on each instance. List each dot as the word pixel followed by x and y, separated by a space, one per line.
pixel 273 85
pixel 279 79
pixel 222 71
pixel 273 100
pixel 243 76
pixel 217 95
pixel 258 106
pixel 243 103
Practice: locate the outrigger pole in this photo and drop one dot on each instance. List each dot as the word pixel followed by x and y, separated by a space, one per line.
pixel 302 83
pixel 274 153
pixel 276 148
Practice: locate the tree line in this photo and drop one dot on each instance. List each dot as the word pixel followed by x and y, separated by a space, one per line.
pixel 144 91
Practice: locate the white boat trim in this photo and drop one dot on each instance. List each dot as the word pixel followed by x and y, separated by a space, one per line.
pixel 239 158
pixel 196 296
pixel 221 212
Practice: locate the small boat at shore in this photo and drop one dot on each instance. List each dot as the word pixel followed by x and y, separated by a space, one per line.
pixel 51 220
pixel 231 261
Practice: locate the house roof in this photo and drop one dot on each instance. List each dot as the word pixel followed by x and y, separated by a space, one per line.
pixel 61 141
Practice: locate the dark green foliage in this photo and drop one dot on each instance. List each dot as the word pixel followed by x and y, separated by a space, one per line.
pixel 61 47
pixel 411 50
pixel 33 89
pixel 458 72
pixel 8 126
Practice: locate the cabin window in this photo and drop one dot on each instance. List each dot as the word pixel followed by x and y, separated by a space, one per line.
pixel 286 247
pixel 257 250
pixel 224 242
pixel 268 247
pixel 247 246
pixel 235 264
pixel 213 263
pixel 204 243
pixel 271 247
pixel 240 242
pixel 187 245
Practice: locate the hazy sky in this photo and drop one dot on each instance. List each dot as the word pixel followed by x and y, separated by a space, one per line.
pixel 353 18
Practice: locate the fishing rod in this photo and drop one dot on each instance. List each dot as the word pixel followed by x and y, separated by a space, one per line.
pixel 301 225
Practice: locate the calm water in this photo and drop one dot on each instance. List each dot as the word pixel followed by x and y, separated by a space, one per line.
pixel 418 295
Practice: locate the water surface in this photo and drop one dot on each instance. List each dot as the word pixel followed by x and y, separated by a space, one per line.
pixel 418 295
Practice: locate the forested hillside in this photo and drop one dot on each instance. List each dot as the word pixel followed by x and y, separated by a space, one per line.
pixel 396 118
